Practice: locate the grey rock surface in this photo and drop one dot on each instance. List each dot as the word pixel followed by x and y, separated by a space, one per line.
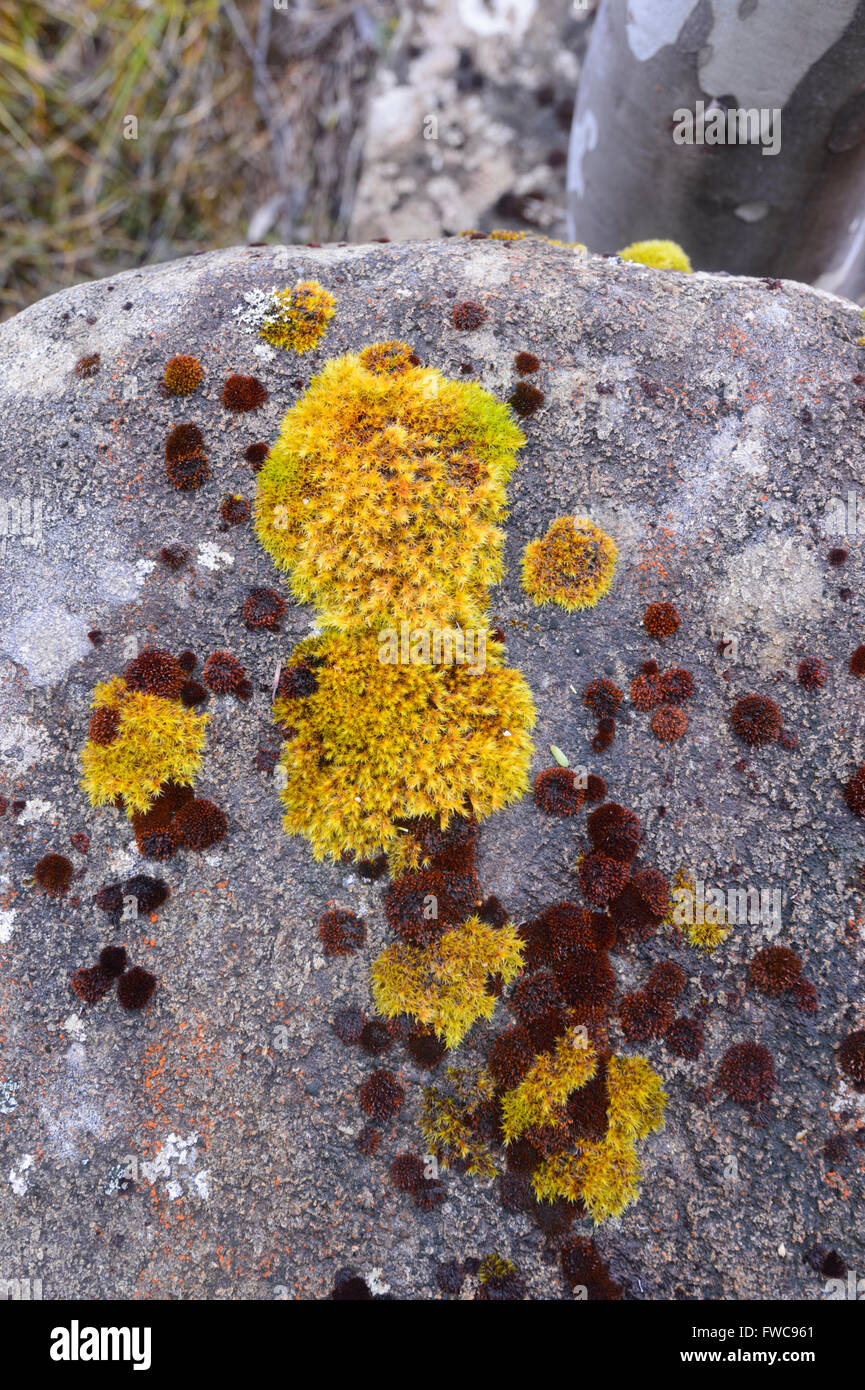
pixel 733 421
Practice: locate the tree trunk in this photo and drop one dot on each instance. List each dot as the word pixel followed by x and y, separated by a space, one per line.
pixel 797 213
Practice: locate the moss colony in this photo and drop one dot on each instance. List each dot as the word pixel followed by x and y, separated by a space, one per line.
pixel 384 494
pixel 572 565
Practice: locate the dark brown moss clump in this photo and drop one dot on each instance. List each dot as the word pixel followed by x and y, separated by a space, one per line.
pixel 583 1268
pixel 601 877
pixel 407 1172
pixel 603 698
pixel 510 1056
pixel 188 474
pixel 241 393
pixel 192 694
pixel 468 315
pixel 854 792
pixel 155 672
pixel 263 608
pixel 255 454
pixel 341 932
pixel 557 792
pixel 857 662
pixel 676 685
pixel 234 510
pixel 526 398
pixel 774 970
pixel 173 556
pixel 112 959
pixel 421 904
pixel 756 720
pixel 53 874
pixel 149 893
pixel 224 675
pixel 660 620
pixel 851 1059
pixel 90 984
pixel 381 1095
pixel 199 824
pixel 747 1074
pixel 615 830
pixel 104 724
pixel 646 691
pixel 526 363
pixel 684 1038
pixel 135 988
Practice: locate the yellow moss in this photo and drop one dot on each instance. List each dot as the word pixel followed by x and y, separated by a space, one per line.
pixel 705 936
pixel 502 234
pixel 572 565
pixel 548 1083
pixel 495 1266
pixel 157 740
pixel 383 494
pixel 377 742
pixel 446 1122
pixel 298 317
pixel 662 255
pixel 445 985
pixel 606 1175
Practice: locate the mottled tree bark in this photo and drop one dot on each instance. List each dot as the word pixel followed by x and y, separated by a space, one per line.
pixel 797 213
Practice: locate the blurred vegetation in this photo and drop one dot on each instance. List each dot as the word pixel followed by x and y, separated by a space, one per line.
pixel 248 122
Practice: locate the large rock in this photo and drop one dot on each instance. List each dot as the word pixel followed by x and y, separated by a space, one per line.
pixel 729 420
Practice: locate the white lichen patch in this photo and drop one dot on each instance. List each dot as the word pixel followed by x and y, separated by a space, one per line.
pixel 771 585
pixel 17 1180
pixel 212 558
pixel 74 1026
pixel 7 926
pixel 35 810
pixel 8 1097
pixel 22 743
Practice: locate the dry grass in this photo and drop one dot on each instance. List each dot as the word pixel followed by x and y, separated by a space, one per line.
pixel 248 118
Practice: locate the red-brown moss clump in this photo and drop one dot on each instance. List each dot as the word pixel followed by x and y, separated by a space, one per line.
pixel 407 1172
pixel 468 315
pixel 149 893
pixel 602 697
pixel 596 788
pixel 602 878
pixel 103 727
pixel 87 366
pixel 155 672
pixel 90 984
pixel 646 691
pixel 510 1056
pixel 851 1059
pixel 684 1038
pixel 666 980
pixel 185 459
pixel 669 723
pixel 526 363
pixel 242 393
pixel 341 932
pixel 756 720
pixel 135 988
pixel 183 375
pixel 747 1074
pixel 53 874
pixel 224 675
pixel 421 904
pixel 263 608
pixel 234 510
pixel 854 792
pixel 643 1017
pixel 811 673
pixel 676 685
pixel 615 830
pixel 381 1095
pixel 774 970
pixel 661 620
pixel 557 792
pixel 199 824
pixel 857 662
pixel 112 960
